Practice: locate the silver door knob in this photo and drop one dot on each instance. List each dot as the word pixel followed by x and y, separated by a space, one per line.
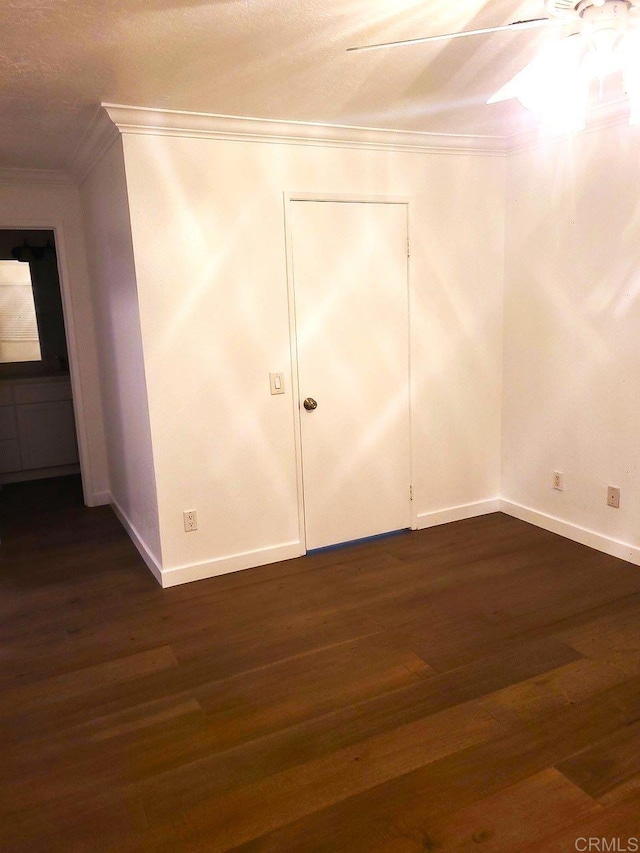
pixel 310 404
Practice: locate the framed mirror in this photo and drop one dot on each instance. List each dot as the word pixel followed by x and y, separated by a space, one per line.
pixel 19 337
pixel 32 333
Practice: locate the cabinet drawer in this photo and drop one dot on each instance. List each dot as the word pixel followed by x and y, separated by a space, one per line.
pixel 6 395
pixel 42 392
pixel 7 423
pixel 47 434
pixel 10 459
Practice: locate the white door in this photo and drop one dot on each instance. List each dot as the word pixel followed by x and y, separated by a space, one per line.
pixel 352 334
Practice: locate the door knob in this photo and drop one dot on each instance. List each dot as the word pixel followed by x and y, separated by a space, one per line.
pixel 310 404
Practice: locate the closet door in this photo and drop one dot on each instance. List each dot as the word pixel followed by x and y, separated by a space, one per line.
pixel 352 334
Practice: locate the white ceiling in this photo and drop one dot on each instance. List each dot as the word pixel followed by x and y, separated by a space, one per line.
pixel 278 59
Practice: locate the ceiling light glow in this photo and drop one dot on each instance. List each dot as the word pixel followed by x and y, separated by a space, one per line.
pixel 556 85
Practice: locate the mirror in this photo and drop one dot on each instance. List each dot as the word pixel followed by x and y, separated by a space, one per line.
pixel 19 338
pixel 32 333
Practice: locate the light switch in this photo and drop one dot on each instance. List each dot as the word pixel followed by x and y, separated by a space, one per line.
pixel 276 382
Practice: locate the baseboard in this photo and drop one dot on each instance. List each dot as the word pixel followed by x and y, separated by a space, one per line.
pixel 613 547
pixel 209 568
pixel 100 499
pixel 290 550
pixel 39 474
pixel 233 563
pixel 457 513
pixel 145 552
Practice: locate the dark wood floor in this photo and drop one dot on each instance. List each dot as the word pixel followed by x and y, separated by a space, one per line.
pixel 471 687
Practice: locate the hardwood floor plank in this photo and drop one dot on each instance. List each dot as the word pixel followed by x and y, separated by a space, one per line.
pixel 78 682
pixel 614 635
pixel 498 609
pixel 86 768
pixel 455 782
pixel 606 764
pixel 105 822
pixel 530 811
pixel 617 826
pixel 425 688
pixel 275 800
pixel 623 791
pixel 533 698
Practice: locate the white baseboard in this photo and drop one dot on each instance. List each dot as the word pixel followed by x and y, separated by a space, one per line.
pixel 457 513
pixel 209 568
pixel 100 499
pixel 233 563
pixel 613 547
pixel 145 552
pixel 289 550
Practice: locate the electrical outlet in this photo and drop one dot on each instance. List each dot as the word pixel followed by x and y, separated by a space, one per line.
pixel 190 520
pixel 613 497
pixel 558 481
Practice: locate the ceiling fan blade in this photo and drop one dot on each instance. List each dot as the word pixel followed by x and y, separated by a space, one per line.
pixel 534 23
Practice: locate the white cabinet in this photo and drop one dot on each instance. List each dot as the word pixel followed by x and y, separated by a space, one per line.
pixel 10 459
pixel 37 428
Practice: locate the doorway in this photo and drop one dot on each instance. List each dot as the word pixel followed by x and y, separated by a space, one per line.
pixel 37 425
pixel 349 273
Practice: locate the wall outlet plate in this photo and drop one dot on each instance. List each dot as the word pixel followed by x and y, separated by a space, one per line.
pixel 190 518
pixel 613 497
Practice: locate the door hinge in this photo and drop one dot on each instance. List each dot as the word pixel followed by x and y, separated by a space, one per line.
pixel 408 247
pixel 410 493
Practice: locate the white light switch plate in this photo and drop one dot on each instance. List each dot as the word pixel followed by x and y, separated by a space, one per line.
pixel 276 383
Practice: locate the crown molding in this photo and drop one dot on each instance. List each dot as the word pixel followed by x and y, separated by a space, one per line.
pixel 113 120
pixel 156 122
pixel 96 141
pixel 34 176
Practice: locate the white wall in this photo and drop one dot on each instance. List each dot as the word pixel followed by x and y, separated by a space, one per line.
pixel 572 332
pixel 29 202
pixel 122 369
pixel 188 262
pixel 209 244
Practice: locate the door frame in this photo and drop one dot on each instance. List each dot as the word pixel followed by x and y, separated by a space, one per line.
pixel 289 197
pixel 56 224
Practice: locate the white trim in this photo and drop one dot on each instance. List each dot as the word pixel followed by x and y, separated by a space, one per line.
pixel 94 144
pixel 99 499
pixel 349 198
pixel 157 122
pixel 458 513
pixel 291 550
pixel 232 563
pixel 66 292
pixel 293 378
pixel 111 120
pixel 606 544
pixel 413 395
pixel 145 552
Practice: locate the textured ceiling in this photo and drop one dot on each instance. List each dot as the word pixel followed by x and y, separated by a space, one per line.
pixel 282 59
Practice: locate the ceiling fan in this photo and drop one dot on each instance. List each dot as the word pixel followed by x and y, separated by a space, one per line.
pixel 556 85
